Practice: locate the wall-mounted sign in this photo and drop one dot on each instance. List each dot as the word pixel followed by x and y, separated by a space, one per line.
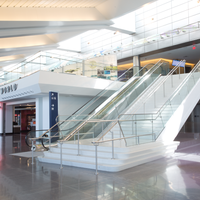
pixel 53 113
pixel 9 88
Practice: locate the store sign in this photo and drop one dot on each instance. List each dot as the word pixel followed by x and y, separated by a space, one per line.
pixel 9 88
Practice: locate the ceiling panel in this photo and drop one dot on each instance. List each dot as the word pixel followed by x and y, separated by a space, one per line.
pixel 52 3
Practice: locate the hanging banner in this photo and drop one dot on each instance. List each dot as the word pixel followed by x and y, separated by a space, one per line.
pixel 53 113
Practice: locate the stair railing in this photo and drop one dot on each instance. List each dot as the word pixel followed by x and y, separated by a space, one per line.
pixel 151 93
pixel 150 116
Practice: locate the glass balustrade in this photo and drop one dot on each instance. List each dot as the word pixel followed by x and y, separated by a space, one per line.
pixel 121 97
pixel 154 123
pixel 56 63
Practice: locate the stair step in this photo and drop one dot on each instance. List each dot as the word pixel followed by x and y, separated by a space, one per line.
pixel 113 165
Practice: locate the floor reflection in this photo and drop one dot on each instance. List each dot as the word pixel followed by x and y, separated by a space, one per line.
pixel 176 177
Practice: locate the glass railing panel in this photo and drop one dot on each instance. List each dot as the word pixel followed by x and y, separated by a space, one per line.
pixel 118 103
pixel 125 99
pixel 90 106
pixel 160 118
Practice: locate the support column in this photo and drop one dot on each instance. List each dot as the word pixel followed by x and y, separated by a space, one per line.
pixel 42 113
pixel 83 68
pixel 8 119
pixel 39 113
pixel 1 118
pixel 4 118
pixel 136 64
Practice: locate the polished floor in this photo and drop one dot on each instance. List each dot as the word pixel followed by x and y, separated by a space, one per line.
pixel 173 178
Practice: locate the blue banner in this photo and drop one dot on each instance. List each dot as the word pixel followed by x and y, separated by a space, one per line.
pixel 53 113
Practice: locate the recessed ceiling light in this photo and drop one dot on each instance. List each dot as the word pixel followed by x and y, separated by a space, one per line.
pixel 116 32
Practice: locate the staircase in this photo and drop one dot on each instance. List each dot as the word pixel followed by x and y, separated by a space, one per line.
pixel 156 122
pixel 124 157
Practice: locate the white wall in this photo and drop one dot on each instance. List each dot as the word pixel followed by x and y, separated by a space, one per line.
pixel 166 14
pixel 69 104
pixel 42 113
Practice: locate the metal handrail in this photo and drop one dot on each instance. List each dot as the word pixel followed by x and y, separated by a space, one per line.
pixel 70 135
pixel 105 91
pixel 137 99
pixel 102 94
pixel 162 82
pixel 103 141
pixel 79 127
pixel 140 96
pixel 87 102
pixel 96 143
pixel 171 97
pixel 90 100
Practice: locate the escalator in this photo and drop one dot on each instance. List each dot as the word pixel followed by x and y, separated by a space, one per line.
pixel 116 99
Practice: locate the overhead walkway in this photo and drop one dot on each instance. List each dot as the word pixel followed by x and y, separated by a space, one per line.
pixel 48 61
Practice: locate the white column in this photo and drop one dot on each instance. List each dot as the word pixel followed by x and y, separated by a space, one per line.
pixel 39 113
pixel 136 64
pixel 9 119
pixel 45 102
pixel 83 68
pixel 42 113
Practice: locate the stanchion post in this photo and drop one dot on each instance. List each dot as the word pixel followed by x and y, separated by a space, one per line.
pixel 78 146
pixel 32 154
pixel 96 158
pixel 102 130
pixel 61 154
pixel 112 146
pixel 49 140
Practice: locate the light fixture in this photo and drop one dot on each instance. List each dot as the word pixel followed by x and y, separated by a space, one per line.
pixel 116 32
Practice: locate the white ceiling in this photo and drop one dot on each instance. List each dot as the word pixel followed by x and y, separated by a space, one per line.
pixel 29 26
pixel 51 3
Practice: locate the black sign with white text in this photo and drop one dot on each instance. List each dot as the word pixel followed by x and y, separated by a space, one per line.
pixel 53 113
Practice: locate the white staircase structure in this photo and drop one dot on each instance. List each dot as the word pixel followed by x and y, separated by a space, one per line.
pixel 169 105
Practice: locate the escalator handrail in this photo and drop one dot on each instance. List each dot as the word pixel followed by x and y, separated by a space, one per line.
pixel 173 94
pixel 111 97
pixel 164 80
pixel 170 72
pixel 103 93
pixel 104 90
pixel 98 93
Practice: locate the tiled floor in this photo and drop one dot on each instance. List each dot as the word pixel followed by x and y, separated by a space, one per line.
pixel 174 178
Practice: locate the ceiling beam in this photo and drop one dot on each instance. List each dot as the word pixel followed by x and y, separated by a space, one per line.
pixel 116 8
pixel 49 14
